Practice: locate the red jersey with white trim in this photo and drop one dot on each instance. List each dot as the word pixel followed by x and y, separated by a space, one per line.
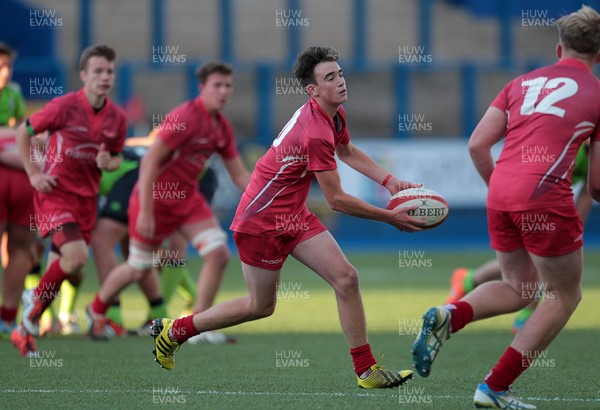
pixel 190 132
pixel 75 134
pixel 550 112
pixel 281 180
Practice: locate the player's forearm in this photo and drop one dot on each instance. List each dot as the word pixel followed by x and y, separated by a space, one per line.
pixel 148 172
pixel 24 147
pixel 593 183
pixel 242 179
pixel 353 206
pixel 483 161
pixel 484 164
pixel 364 164
pixel 238 172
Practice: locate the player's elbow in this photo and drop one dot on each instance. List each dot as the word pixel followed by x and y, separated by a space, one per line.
pixel 336 203
pixel 594 189
pixel 475 147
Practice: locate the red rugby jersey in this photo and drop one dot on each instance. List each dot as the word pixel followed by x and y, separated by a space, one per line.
pixel 550 112
pixel 281 179
pixel 189 131
pixel 76 132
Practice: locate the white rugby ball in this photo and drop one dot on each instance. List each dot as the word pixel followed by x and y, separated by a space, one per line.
pixel 432 207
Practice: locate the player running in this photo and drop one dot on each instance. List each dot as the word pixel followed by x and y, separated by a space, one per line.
pixel 111 230
pixel 166 198
pixel 16 194
pixel 533 224
pixel 465 280
pixel 87 132
pixel 304 149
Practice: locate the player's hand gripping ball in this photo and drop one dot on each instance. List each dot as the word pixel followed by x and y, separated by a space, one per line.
pixel 432 207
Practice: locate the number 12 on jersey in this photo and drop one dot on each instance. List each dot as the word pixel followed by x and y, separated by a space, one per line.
pixel 557 89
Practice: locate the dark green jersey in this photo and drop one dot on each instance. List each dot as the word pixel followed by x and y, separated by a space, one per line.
pixel 12 105
pixel 580 172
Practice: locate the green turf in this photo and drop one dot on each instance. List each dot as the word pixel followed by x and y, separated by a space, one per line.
pixel 257 372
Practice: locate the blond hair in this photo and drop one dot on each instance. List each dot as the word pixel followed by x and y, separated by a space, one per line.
pixel 580 31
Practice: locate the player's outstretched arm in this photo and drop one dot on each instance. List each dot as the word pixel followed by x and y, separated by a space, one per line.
pixel 361 162
pixel 149 165
pixel 340 201
pixel 238 172
pixel 38 180
pixel 594 171
pixel 489 131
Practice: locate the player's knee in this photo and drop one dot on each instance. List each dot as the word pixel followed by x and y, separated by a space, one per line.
pixel 261 309
pixel 219 256
pixel 97 243
pixel 209 241
pixel 141 261
pixel 346 279
pixel 264 310
pixel 73 263
pixel 571 299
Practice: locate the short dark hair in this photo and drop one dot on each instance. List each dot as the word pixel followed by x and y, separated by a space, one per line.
pixel 304 69
pixel 5 50
pixel 202 73
pixel 96 51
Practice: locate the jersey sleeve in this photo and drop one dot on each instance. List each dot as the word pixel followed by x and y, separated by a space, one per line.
pixel 49 118
pixel 320 151
pixel 501 100
pixel 344 135
pixel 229 150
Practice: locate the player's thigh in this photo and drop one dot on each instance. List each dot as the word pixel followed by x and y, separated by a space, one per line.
pixel 207 236
pixel 142 256
pixel 322 254
pixel 192 229
pixel 176 242
pixel 108 233
pixel 560 273
pixel 74 250
pixel 518 270
pixel 19 237
pixel 261 283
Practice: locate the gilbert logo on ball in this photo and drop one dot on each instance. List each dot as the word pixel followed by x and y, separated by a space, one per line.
pixel 432 207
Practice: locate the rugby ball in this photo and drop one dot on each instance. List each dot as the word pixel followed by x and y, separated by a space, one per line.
pixel 432 207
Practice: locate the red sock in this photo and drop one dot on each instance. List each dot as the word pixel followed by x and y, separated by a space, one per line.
pixel 509 367
pixel 462 314
pixel 362 357
pixel 100 307
pixel 46 291
pixel 8 314
pixel 184 328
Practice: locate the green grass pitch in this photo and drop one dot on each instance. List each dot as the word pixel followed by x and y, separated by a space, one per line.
pixel 298 358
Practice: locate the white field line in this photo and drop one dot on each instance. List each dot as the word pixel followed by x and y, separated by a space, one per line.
pixel 266 393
